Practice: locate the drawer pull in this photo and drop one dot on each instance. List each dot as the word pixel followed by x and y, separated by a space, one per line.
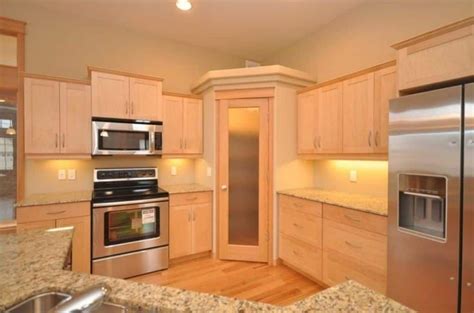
pixel 347 277
pixel 297 225
pixel 352 245
pixel 57 212
pixel 298 205
pixel 191 199
pixel 352 218
pixel 295 253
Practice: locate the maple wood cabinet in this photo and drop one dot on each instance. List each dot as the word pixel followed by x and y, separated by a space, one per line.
pixel 125 97
pixel 62 215
pixel 348 116
pixel 182 125
pixel 57 118
pixel 190 223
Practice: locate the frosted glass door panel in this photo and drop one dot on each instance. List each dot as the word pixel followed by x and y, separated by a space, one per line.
pixel 244 126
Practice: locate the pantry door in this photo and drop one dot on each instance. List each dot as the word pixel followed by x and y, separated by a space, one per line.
pixel 243 179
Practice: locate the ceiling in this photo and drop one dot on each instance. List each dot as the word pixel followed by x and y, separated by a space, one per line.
pixel 251 29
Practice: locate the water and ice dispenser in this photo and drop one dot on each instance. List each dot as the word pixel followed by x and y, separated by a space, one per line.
pixel 422 205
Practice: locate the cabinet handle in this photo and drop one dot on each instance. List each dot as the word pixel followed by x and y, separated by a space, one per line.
pixel 189 216
pixel 319 142
pixel 185 143
pixel 191 199
pixel 131 107
pixel 297 225
pixel 376 138
pixel 181 143
pixel 56 141
pixel 194 216
pixel 126 107
pixel 64 140
pixel 352 245
pixel 295 253
pixel 370 139
pixel 351 218
pixel 315 145
pixel 298 205
pixel 57 212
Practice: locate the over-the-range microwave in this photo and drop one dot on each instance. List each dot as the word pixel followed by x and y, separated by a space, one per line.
pixel 126 137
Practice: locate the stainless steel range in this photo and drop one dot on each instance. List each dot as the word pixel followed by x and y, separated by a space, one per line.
pixel 129 222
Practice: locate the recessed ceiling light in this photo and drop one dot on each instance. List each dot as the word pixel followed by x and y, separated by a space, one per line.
pixel 184 5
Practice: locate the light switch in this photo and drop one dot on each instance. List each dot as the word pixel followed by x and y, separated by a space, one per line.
pixel 71 174
pixel 353 176
pixel 209 171
pixel 173 171
pixel 61 174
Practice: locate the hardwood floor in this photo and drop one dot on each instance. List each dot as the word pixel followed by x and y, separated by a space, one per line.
pixel 278 285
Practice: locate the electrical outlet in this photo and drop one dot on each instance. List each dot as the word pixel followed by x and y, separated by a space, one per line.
pixel 173 171
pixel 71 174
pixel 209 171
pixel 61 174
pixel 353 176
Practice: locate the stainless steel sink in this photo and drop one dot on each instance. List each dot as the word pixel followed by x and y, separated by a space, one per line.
pixel 42 303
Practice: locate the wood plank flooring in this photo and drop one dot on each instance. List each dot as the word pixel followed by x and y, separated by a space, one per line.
pixel 278 285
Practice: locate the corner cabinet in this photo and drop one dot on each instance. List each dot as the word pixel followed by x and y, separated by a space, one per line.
pixel 125 97
pixel 347 117
pixel 57 118
pixel 182 125
pixel 190 223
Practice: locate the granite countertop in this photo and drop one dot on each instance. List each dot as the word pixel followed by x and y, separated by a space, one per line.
pixel 365 203
pixel 33 263
pixel 55 198
pixel 185 188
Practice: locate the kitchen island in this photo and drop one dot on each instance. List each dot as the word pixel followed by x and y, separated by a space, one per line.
pixel 34 262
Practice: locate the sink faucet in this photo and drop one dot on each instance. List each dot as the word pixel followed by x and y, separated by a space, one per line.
pixel 86 301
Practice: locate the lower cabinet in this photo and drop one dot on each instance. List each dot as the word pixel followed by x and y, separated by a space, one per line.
pixel 62 215
pixel 190 223
pixel 333 244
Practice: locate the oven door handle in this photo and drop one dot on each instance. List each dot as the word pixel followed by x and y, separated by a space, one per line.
pixel 108 204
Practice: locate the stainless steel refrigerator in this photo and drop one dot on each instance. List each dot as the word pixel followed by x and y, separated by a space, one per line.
pixel 431 200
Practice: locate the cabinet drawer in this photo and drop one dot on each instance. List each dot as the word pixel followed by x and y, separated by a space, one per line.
pixel 302 256
pixel 21 227
pixel 367 247
pixel 362 220
pixel 300 205
pixel 302 226
pixel 190 198
pixel 52 212
pixel 338 268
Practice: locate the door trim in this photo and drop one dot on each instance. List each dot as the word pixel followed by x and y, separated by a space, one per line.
pixel 247 94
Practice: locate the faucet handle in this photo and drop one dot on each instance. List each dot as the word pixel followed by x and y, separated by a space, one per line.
pixel 85 301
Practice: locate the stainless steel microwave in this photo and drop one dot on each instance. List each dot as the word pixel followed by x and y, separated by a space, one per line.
pixel 126 137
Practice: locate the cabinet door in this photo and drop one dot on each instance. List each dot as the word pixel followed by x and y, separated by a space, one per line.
pixel 202 227
pixel 329 119
pixel 193 131
pixel 172 125
pixel 110 95
pixel 385 88
pixel 41 116
pixel 180 231
pixel 145 99
pixel 21 227
pixel 80 241
pixel 75 122
pixel 358 114
pixel 306 121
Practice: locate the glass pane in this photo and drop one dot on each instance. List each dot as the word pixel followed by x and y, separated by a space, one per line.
pixel 244 126
pixel 131 225
pixel 123 140
pixel 7 156
pixel 8 53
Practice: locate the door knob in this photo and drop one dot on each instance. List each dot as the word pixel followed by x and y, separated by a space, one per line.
pixel 224 187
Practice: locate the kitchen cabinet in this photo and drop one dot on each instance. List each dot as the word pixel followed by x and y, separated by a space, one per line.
pixel 182 126
pixel 441 55
pixel 124 96
pixel 57 118
pixel 62 215
pixel 347 117
pixel 190 223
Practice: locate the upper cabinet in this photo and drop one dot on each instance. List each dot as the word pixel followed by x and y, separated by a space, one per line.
pixel 122 95
pixel 182 125
pixel 441 55
pixel 347 116
pixel 57 117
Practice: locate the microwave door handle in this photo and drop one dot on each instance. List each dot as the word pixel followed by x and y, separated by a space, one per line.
pixel 151 148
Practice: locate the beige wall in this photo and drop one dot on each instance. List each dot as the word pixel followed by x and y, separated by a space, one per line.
pixel 359 39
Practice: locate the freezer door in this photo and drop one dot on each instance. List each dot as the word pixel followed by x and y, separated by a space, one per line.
pixel 425 164
pixel 467 299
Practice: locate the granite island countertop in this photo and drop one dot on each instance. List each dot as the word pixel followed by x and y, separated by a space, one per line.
pixel 33 263
pixel 185 188
pixel 55 198
pixel 360 202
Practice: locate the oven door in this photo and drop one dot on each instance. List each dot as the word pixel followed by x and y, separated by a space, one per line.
pixel 126 138
pixel 127 228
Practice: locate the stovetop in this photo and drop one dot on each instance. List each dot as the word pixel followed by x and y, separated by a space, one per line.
pixel 128 194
